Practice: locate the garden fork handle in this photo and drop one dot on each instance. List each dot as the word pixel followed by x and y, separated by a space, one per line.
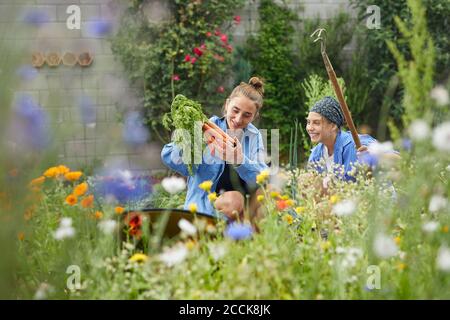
pixel 336 87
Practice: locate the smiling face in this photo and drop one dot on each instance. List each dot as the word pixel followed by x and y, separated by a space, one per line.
pixel 319 128
pixel 239 112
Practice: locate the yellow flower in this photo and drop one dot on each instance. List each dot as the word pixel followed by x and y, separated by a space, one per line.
pixel 21 236
pixel 190 244
pixel 401 266
pixel 274 194
pixel 260 198
pixel 445 229
pixel 288 218
pixel 397 240
pixel 212 196
pixel 325 245
pixel 71 199
pixel 290 202
pixel 262 177
pixel 285 197
pixel 88 202
pixel 51 172
pixel 334 199
pixel 138 257
pixel 119 210
pixel 193 208
pixel 62 170
pixel 98 215
pixel 37 182
pixel 300 210
pixel 206 185
pixel 73 176
pixel 81 189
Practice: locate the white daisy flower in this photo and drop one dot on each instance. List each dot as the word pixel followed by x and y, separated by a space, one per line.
pixel 173 184
pixel 187 227
pixel 174 255
pixel 384 246
pixel 107 226
pixel 443 259
pixel 378 149
pixel 430 226
pixel 344 208
pixel 65 229
pixel 440 95
pixel 419 130
pixel 441 137
pixel 437 203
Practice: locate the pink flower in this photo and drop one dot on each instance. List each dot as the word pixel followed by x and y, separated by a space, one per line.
pixel 217 32
pixel 224 38
pixel 220 89
pixel 193 60
pixel 175 77
pixel 203 46
pixel 208 34
pixel 229 48
pixel 198 52
pixel 187 58
pixel 237 19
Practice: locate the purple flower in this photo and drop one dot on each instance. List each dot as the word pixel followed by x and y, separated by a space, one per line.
pixel 122 186
pixel 30 124
pixel 87 110
pixel 35 17
pixel 100 28
pixel 238 231
pixel 134 132
pixel 407 144
pixel 27 72
pixel 368 159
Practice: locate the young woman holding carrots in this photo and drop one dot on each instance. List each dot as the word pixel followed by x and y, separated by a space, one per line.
pixel 233 159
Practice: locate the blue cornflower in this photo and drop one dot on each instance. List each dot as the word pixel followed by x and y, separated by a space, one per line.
pixel 239 231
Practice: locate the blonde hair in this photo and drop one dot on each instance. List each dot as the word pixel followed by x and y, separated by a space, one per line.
pixel 253 90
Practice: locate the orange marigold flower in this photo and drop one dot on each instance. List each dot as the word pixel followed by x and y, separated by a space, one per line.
pixel 51 172
pixel 88 202
pixel 37 182
pixel 73 176
pixel 98 215
pixel 62 170
pixel 119 210
pixel 81 189
pixel 71 199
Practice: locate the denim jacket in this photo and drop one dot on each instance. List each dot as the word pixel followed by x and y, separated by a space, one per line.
pixel 344 152
pixel 212 167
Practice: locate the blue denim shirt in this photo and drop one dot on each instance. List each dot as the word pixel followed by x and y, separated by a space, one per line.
pixel 344 152
pixel 212 167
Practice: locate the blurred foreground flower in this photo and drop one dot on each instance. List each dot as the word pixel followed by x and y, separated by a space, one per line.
pixel 107 226
pixel 138 257
pixel 173 184
pixel 99 28
pixel 30 124
pixel 43 291
pixel 344 208
pixel 443 259
pixel 65 229
pixel 174 255
pixel 419 130
pixel 217 251
pixel 87 111
pixel 384 247
pixel 437 203
pixel 430 226
pixel 135 133
pixel 441 137
pixel 239 231
pixel 440 95
pixel 35 17
pixel 187 227
pixel 27 72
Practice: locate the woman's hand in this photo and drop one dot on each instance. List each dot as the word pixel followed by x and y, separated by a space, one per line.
pixel 228 153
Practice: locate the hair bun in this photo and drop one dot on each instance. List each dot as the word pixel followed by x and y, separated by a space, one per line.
pixel 258 84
